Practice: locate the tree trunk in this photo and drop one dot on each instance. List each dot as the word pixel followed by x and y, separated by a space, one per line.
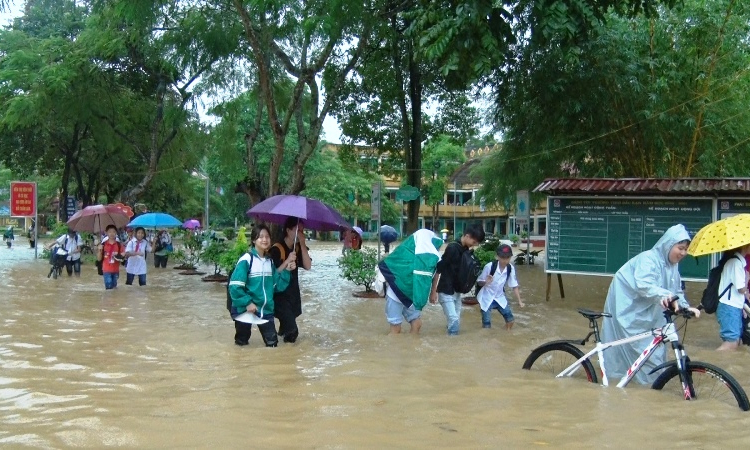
pixel 414 164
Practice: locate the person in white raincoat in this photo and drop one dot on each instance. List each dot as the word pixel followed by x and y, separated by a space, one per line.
pixel 637 297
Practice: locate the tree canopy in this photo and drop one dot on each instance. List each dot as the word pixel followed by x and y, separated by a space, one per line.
pixel 645 98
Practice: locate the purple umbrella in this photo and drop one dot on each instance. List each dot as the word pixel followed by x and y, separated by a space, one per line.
pixel 191 224
pixel 315 214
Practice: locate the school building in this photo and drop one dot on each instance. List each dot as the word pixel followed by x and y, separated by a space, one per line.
pixel 462 204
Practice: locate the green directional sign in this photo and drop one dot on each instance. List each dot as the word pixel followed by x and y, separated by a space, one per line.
pixel 407 193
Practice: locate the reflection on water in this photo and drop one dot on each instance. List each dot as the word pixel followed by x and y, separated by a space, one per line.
pixel 156 367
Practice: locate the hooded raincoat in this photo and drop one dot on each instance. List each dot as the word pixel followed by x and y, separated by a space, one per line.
pixel 633 301
pixel 409 269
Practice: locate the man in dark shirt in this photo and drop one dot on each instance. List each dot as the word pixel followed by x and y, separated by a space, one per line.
pixel 449 298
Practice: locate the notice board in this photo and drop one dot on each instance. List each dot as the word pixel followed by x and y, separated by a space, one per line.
pixel 597 235
pixel 729 207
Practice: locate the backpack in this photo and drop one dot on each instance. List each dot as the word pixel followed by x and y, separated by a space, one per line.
pixel 711 295
pixel 493 269
pixel 282 250
pixel 229 296
pixel 468 271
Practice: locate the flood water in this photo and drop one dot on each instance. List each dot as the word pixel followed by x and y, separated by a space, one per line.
pixel 156 367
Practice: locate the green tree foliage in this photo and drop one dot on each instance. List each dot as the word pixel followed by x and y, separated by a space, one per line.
pixel 99 94
pixel 307 42
pixel 444 156
pixel 471 39
pixel 383 104
pixel 646 98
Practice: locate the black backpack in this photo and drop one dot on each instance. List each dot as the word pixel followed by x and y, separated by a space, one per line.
pixel 469 269
pixel 711 295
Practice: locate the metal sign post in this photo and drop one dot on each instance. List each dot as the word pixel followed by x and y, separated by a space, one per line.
pixel 522 217
pixel 375 208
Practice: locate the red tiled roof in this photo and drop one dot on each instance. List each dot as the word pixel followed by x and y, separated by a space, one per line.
pixel 661 186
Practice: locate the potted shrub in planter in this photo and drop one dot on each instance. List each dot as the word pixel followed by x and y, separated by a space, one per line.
pixel 189 257
pixel 213 255
pixel 358 266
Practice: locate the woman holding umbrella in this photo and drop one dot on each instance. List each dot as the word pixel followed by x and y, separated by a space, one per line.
pixel 288 303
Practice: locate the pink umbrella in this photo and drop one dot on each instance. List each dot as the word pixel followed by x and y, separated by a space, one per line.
pixel 191 224
pixel 97 218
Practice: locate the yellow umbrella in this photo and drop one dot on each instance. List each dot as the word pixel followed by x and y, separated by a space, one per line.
pixel 724 234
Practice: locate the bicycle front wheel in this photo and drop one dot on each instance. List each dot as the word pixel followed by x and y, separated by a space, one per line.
pixel 709 382
pixel 554 357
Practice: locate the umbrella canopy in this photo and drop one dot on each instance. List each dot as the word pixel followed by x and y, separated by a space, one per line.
pixel 724 234
pixel 315 214
pixel 388 234
pixel 191 224
pixel 445 230
pixel 155 220
pixel 97 218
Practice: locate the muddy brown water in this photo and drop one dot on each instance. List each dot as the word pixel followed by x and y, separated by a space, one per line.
pixel 156 367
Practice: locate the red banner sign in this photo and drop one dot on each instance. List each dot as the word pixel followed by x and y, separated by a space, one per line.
pixel 22 199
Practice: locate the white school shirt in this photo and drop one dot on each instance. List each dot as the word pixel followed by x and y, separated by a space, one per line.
pixel 136 263
pixel 734 272
pixel 495 291
pixel 73 243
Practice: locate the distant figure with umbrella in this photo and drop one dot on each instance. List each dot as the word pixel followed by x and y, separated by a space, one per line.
pixel 288 303
pixel 111 255
pixel 136 250
pixel 252 285
pixel 162 246
pixel 388 234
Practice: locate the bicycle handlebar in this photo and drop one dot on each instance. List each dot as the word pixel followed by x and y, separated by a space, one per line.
pixel 684 313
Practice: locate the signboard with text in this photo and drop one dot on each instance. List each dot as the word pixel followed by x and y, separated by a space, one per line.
pixel 598 235
pixel 22 199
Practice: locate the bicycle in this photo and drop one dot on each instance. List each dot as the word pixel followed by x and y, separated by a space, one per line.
pixel 691 379
pixel 57 260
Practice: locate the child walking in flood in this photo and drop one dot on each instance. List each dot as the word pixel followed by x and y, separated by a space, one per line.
pixel 495 276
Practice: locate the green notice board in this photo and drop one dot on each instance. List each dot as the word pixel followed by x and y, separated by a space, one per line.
pixel 597 235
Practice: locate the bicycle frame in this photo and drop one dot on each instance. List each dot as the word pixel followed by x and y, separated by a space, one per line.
pixel 668 333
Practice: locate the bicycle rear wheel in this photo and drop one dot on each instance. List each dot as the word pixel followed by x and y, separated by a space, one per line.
pixel 708 381
pixel 554 357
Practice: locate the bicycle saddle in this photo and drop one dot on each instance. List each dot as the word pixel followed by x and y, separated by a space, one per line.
pixel 589 314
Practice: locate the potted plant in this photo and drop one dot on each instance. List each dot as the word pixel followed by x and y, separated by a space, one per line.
pixel 213 255
pixel 358 266
pixel 189 257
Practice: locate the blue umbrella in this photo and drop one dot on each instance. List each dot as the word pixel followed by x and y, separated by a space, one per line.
pixel 388 234
pixel 155 220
